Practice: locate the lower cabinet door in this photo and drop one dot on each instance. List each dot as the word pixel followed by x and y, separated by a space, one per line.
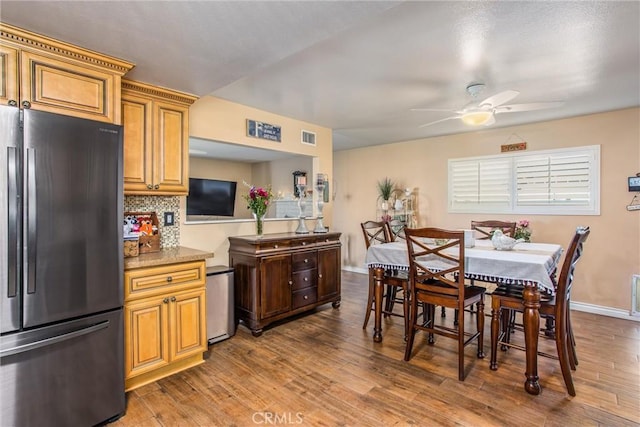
pixel 146 335
pixel 188 323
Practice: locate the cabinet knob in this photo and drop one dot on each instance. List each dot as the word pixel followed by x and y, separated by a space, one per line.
pixel 306 297
pixel 275 246
pixel 320 275
pixel 290 282
pixel 169 279
pixel 306 260
pixel 149 186
pixel 304 243
pixel 12 103
pixel 155 187
pixel 173 299
pixel 306 279
pixel 26 104
pixel 166 300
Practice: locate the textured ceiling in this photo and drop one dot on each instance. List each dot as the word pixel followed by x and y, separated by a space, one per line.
pixel 360 67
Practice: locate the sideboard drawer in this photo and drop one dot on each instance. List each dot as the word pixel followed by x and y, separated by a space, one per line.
pixel 304 260
pixel 304 279
pixel 305 297
pixel 145 282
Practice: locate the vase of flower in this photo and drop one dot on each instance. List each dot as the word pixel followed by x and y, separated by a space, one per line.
pixel 259 220
pixel 258 200
pixel 523 231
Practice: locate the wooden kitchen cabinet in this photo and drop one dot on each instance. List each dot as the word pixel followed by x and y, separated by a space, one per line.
pixel 156 139
pixel 165 324
pixel 280 275
pixel 44 74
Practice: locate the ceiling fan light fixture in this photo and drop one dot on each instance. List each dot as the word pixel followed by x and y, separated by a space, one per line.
pixel 477 118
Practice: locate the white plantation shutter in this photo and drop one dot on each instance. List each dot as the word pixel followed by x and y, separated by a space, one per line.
pixel 563 181
pixel 480 185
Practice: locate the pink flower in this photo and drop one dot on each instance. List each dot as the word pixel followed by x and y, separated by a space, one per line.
pixel 523 223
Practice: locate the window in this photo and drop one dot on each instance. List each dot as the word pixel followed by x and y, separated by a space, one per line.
pixel 558 182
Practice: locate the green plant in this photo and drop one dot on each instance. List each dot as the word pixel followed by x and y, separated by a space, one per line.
pixel 385 189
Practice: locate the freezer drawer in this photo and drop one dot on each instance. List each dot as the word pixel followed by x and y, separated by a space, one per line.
pixel 220 304
pixel 68 374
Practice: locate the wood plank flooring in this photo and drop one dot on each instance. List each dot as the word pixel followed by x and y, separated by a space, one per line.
pixel 323 369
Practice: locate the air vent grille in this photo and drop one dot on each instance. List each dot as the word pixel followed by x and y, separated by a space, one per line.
pixel 308 137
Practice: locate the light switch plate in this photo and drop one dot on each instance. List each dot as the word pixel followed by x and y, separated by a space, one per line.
pixel 169 218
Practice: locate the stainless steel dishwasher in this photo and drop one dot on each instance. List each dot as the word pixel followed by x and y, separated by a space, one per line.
pixel 220 304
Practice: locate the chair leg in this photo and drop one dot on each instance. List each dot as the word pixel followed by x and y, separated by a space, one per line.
pixel 563 355
pixel 406 310
pixel 480 326
pixel 431 319
pixel 443 313
pixel 455 318
pixel 572 344
pixel 369 303
pixel 495 334
pixel 412 331
pixel 460 318
pixel 389 299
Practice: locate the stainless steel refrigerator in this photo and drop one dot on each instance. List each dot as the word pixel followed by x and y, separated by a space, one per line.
pixel 61 269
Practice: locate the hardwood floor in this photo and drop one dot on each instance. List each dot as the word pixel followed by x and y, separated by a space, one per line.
pixel 323 369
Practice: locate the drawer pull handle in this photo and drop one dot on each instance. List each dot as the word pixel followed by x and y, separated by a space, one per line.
pixel 320 276
pixel 169 279
pixel 173 299
pixel 290 282
pixel 304 243
pixel 306 260
pixel 306 297
pixel 149 186
pixel 166 300
pixel 306 279
pixel 275 246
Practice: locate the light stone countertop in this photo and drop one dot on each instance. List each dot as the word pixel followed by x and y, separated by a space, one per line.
pixel 166 256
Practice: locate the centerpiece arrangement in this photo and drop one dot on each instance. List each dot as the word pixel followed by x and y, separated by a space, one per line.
pixel 523 231
pixel 258 200
pixel 385 191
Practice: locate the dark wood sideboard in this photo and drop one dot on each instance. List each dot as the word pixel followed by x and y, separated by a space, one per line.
pixel 284 274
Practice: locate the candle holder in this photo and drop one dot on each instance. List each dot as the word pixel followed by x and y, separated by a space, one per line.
pixel 320 184
pixel 302 206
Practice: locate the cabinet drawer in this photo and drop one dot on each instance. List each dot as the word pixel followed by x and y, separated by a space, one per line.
pixel 304 279
pixel 305 297
pixel 145 282
pixel 304 261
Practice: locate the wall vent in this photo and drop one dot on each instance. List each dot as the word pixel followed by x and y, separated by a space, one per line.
pixel 308 137
pixel 635 295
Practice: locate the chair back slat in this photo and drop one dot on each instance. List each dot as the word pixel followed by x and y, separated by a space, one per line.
pixel 565 281
pixel 374 232
pixel 486 228
pixel 436 260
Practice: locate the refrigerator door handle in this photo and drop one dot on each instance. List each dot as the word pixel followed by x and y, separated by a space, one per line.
pixel 14 224
pixel 30 232
pixel 54 340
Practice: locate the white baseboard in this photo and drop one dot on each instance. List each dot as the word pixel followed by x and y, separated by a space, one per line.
pixel 578 306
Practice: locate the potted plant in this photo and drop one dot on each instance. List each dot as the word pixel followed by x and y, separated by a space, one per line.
pixel 385 191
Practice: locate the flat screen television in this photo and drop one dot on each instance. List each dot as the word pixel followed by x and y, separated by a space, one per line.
pixel 211 197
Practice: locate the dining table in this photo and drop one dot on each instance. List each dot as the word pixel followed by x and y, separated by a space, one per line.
pixel 531 265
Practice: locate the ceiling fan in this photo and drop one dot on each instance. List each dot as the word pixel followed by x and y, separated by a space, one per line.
pixel 483 113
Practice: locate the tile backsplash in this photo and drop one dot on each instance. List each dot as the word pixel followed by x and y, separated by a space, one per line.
pixel 169 235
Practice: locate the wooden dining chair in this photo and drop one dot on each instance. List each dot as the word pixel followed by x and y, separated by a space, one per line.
pixel 436 277
pixel 485 229
pixel 376 232
pixel 509 297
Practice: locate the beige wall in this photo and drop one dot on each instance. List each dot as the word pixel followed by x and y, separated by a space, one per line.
pixel 219 120
pixel 612 253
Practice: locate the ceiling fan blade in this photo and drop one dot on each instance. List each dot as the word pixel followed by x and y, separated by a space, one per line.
pixel 513 108
pixel 438 121
pixel 500 98
pixel 448 110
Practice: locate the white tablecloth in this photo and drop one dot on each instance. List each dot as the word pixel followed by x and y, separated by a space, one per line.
pixel 526 263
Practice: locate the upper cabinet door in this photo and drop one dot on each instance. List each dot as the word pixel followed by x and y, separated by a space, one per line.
pixel 137 113
pixel 8 76
pixel 171 143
